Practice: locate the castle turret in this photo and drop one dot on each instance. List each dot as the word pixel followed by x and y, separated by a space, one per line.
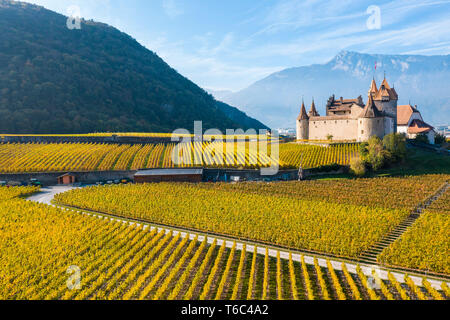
pixel 386 100
pixel 303 124
pixel 313 112
pixel 370 122
pixel 373 89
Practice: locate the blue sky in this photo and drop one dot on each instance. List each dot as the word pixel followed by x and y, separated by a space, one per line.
pixel 227 45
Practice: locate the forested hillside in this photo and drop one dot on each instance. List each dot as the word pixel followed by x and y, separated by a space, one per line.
pixel 56 80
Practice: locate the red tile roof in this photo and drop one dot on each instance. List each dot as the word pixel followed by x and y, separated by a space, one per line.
pixel 386 91
pixel 418 126
pixel 404 114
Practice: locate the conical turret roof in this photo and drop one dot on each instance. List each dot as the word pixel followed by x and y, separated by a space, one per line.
pixel 370 110
pixel 303 115
pixel 313 112
pixel 386 91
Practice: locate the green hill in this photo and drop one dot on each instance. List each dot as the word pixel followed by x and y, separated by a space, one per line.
pixel 56 80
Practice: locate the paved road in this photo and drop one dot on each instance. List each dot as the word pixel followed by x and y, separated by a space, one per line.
pixel 47 194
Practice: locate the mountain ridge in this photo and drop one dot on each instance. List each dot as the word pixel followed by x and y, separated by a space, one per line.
pixel 419 79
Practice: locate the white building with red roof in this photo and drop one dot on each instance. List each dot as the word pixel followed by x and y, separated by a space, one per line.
pixel 410 122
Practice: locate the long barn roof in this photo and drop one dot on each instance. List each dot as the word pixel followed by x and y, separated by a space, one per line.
pixel 169 172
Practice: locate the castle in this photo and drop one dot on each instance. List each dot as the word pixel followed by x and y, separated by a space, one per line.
pixel 350 119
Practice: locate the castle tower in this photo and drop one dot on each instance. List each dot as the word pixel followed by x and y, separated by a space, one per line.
pixel 303 124
pixel 373 89
pixel 386 100
pixel 313 112
pixel 370 122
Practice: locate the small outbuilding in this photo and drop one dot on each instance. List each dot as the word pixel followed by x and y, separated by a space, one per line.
pixel 67 178
pixel 169 175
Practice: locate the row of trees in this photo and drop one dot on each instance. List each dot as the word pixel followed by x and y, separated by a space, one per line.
pixel 376 153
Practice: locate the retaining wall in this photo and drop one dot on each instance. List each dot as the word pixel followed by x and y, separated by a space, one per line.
pixel 50 178
pixel 209 175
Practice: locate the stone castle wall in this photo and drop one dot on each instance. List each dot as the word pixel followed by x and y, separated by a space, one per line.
pixel 340 129
pixel 368 127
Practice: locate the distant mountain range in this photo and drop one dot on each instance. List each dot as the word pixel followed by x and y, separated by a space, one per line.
pixel 275 100
pixel 56 80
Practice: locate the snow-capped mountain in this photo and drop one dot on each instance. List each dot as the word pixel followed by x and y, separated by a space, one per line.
pixel 422 80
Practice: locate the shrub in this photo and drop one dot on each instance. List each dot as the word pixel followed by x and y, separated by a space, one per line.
pixel 357 167
pixel 422 138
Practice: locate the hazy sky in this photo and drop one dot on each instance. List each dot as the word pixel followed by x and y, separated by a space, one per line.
pixel 230 44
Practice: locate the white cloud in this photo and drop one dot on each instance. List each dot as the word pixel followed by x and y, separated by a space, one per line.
pixel 206 69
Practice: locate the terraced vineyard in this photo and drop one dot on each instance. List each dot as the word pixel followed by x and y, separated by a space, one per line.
pixel 36 157
pixel 426 244
pixel 83 257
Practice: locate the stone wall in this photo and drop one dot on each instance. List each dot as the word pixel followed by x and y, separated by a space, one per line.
pixel 369 127
pixel 342 129
pixel 209 175
pixel 50 178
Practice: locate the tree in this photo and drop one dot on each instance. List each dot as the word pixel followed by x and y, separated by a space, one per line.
pixel 376 153
pixel 363 153
pixel 440 139
pixel 395 144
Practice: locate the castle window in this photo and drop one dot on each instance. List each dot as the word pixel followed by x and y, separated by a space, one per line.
pixel 362 131
pixel 335 122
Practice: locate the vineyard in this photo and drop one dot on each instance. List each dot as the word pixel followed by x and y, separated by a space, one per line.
pixel 385 192
pixel 310 156
pixel 335 228
pixel 82 257
pixel 36 157
pixel 7 193
pixel 426 245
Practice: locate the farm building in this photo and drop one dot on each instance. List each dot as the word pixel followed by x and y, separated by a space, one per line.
pixel 67 178
pixel 169 175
